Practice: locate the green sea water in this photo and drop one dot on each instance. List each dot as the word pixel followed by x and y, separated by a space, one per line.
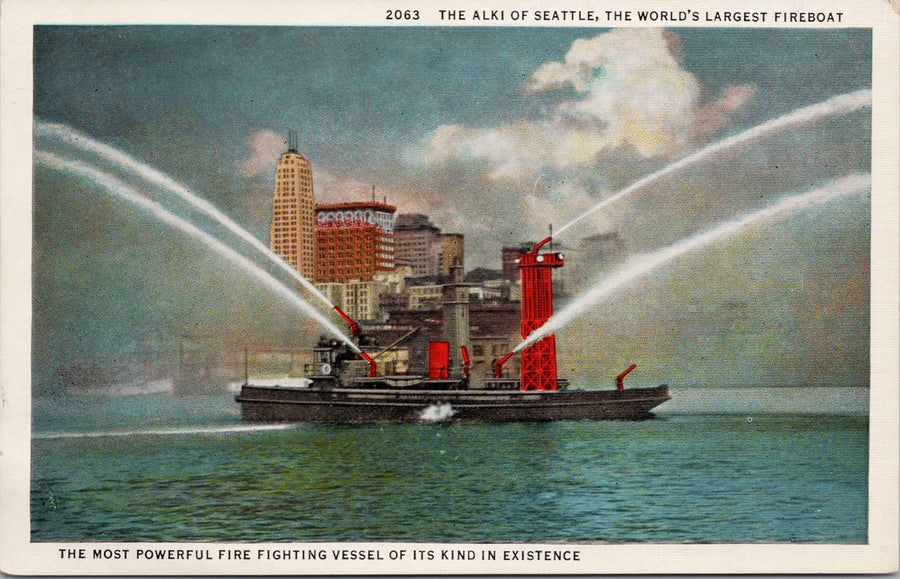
pixel 166 468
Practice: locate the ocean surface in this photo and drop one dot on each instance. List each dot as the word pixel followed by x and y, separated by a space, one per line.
pixel 767 465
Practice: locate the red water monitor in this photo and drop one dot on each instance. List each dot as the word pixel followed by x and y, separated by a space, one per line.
pixel 538 359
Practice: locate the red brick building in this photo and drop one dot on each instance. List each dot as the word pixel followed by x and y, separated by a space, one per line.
pixel 353 241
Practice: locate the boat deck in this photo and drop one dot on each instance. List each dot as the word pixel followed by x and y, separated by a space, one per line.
pixel 360 405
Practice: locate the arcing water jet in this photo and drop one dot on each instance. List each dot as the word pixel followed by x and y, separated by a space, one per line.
pixel 72 137
pixel 122 190
pixel 642 265
pixel 841 104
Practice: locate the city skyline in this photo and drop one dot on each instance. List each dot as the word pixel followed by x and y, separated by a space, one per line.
pixel 492 119
pixel 496 134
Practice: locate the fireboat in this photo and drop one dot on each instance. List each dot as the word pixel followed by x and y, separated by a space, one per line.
pixel 342 388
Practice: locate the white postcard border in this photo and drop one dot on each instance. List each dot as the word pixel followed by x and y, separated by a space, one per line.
pixel 19 556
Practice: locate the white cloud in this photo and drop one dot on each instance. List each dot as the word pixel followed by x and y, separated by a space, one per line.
pixel 557 206
pixel 330 188
pixel 621 54
pixel 632 93
pixel 264 149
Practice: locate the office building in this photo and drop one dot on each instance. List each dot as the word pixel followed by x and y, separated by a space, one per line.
pixel 292 233
pixel 354 241
pixel 418 244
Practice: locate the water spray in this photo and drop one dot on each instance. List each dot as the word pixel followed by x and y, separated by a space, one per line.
pixel 122 190
pixel 166 432
pixel 644 264
pixel 842 104
pixel 71 136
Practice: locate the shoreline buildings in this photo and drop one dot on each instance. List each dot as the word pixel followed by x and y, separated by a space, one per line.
pixel 418 244
pixel 396 274
pixel 422 246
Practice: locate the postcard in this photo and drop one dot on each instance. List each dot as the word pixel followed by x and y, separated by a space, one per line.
pixel 464 287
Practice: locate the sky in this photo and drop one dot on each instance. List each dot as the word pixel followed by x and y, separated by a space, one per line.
pixel 494 133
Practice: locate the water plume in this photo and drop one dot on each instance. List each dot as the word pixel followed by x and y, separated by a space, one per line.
pixel 158 178
pixel 841 104
pixel 122 190
pixel 644 264
pixel 437 413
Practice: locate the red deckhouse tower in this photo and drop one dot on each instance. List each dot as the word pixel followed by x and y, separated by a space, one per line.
pixel 538 359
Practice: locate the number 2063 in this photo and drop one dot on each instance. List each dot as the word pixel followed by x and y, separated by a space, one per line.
pixel 402 15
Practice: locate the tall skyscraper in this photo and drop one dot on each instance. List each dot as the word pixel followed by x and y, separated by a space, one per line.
pixel 293 230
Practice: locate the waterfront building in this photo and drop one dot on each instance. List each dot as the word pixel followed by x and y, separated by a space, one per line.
pixel 487 348
pixel 391 282
pixel 333 292
pixel 494 332
pixel 364 300
pixel 361 300
pixel 425 297
pixel 355 241
pixel 394 301
pixel 418 244
pixel 292 233
pixel 497 289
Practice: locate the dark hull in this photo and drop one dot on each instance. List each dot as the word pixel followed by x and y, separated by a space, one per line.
pixel 350 405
